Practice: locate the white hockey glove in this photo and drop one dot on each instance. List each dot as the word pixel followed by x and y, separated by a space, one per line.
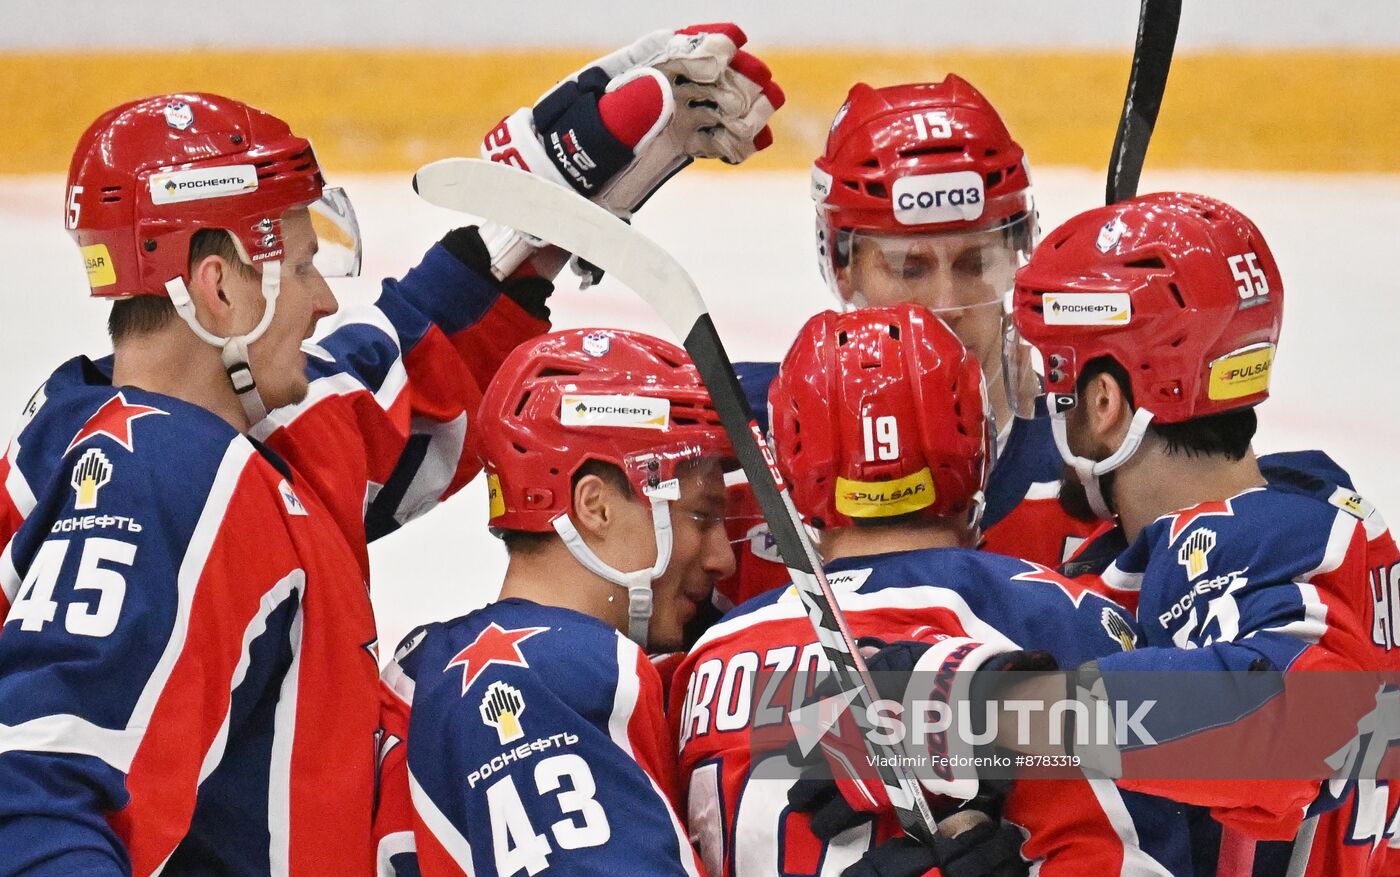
pixel 620 127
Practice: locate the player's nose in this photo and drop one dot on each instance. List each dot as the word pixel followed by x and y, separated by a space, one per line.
pixel 719 554
pixel 323 301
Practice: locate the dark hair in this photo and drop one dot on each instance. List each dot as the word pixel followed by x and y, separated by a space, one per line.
pixel 148 313
pixel 1227 434
pixel 524 542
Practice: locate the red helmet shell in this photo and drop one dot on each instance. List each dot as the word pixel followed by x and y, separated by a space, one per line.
pixel 1180 290
pixel 909 158
pixel 149 174
pixel 639 394
pixel 879 413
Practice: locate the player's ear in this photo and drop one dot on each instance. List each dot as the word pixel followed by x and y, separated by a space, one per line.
pixel 594 505
pixel 208 290
pixel 1106 406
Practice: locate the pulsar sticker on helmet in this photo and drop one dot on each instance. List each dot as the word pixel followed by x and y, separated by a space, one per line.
pixel 1087 308
pixel 644 412
pixel 925 198
pixel 208 182
pixel 498 500
pixel 98 262
pixel 883 499
pixel 1242 372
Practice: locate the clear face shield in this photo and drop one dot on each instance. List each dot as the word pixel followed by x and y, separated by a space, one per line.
pixel 965 277
pixel 339 246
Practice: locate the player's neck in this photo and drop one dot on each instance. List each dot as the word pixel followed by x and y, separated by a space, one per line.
pixel 173 362
pixel 550 576
pixel 863 541
pixel 1154 483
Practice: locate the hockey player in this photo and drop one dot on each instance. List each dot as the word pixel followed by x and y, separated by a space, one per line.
pixel 531 734
pixel 188 669
pixel 879 425
pixel 922 195
pixel 1154 409
pixel 1156 321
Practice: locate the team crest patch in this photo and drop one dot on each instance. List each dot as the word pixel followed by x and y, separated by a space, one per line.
pixel 1110 235
pixel 1194 553
pixel 178 115
pixel 597 344
pixel 501 709
pixel 494 645
pixel 92 472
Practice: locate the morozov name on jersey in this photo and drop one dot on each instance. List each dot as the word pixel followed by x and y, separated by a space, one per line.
pixel 210 182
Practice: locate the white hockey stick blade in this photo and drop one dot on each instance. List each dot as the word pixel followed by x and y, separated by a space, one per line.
pixel 565 219
pixel 537 207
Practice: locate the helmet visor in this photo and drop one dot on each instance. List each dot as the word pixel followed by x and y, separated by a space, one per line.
pixel 338 244
pixel 947 272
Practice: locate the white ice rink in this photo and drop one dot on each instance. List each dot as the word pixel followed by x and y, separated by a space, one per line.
pixel 747 240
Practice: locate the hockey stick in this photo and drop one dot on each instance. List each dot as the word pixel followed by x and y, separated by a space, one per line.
pixel 557 215
pixel 1152 60
pixel 1147 83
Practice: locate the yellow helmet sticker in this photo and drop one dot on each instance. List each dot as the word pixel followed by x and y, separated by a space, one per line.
pixel 885 499
pixel 1243 372
pixel 498 501
pixel 99 266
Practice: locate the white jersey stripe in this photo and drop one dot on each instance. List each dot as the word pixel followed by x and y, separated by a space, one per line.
pixel 293 582
pixel 624 705
pixel 210 522
pixel 442 829
pixel 279 786
pixel 1136 862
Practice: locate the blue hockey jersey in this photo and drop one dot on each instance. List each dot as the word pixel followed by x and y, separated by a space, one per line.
pixel 526 739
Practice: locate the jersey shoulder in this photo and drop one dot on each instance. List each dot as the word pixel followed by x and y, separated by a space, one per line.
pixel 578 659
pixel 1273 532
pixel 1029 458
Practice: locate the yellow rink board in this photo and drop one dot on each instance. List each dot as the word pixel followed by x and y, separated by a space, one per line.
pixel 393 110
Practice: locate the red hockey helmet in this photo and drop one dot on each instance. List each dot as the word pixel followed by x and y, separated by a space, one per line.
pixel 912 160
pixel 566 398
pixel 1180 290
pixel 149 174
pixel 879 413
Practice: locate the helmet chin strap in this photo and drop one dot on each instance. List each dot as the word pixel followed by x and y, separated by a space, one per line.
pixel 638 582
pixel 1088 470
pixel 234 350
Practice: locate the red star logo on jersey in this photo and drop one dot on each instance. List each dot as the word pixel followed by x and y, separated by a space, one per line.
pixel 1182 520
pixel 1046 576
pixel 494 645
pixel 113 420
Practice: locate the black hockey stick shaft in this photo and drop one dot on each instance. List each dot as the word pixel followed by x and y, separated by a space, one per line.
pixel 707 351
pixel 1147 82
